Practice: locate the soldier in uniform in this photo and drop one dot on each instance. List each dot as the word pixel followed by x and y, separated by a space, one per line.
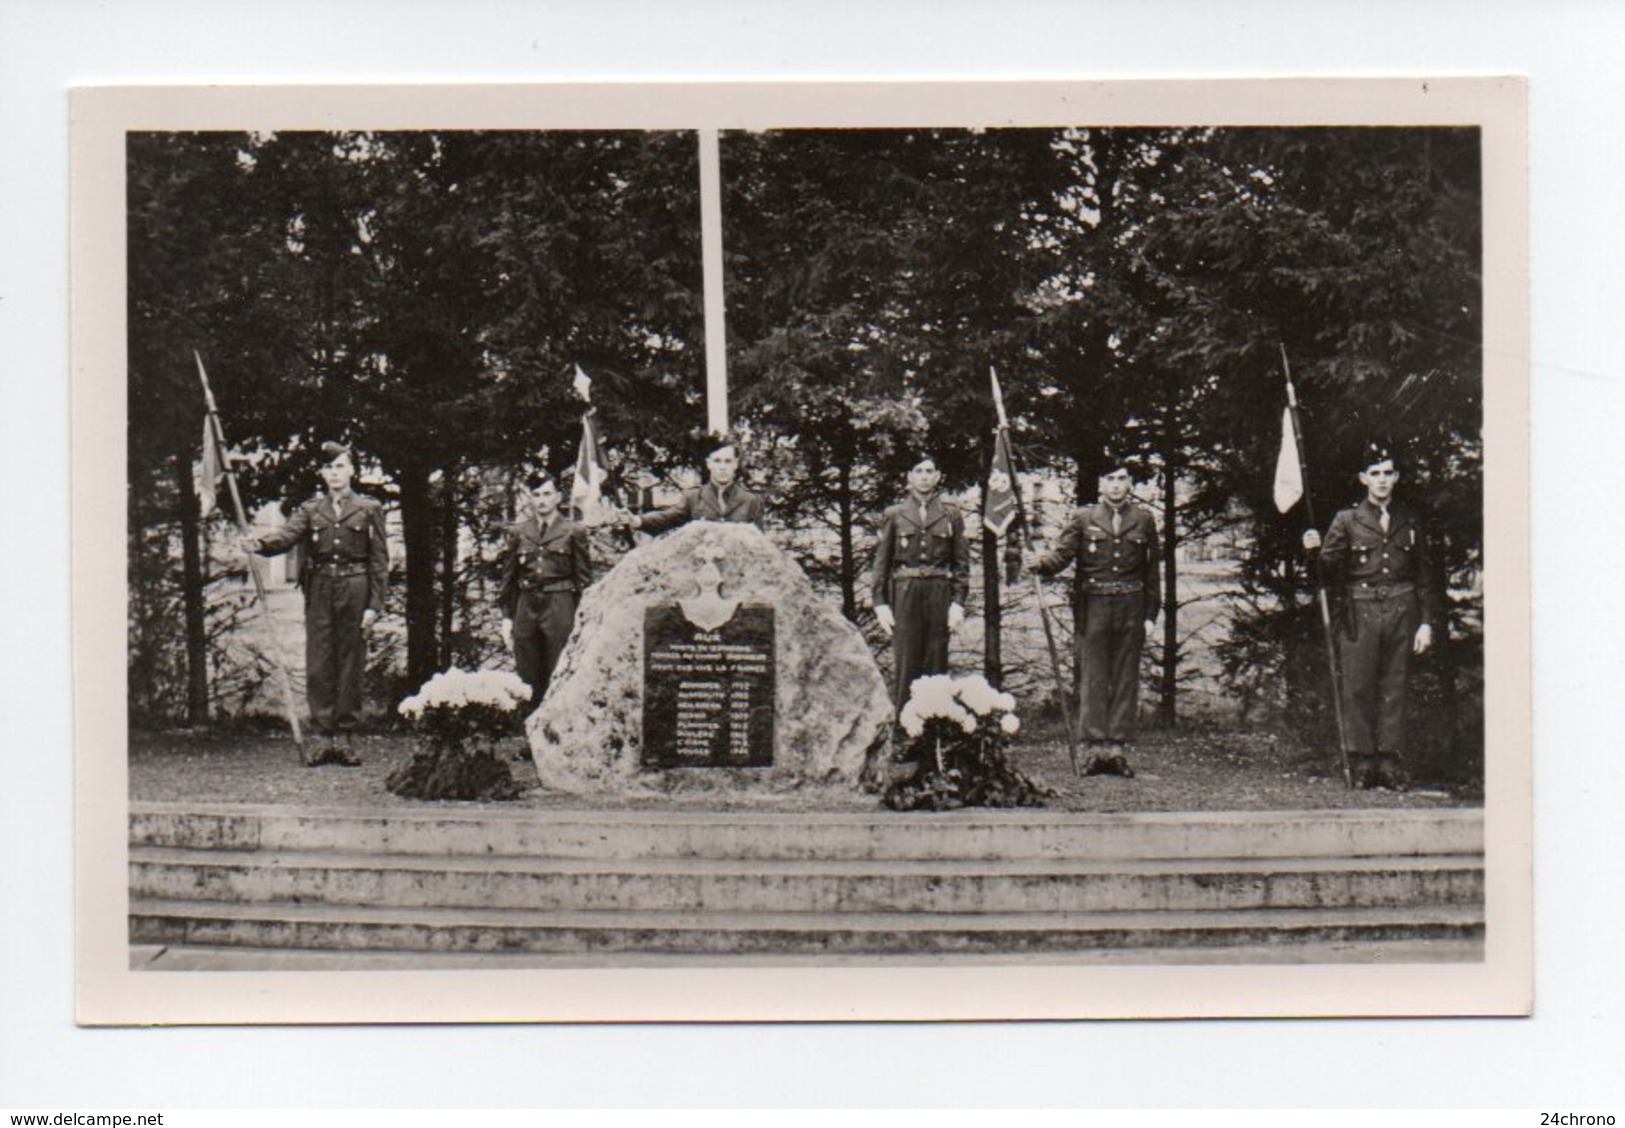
pixel 344 571
pixel 1119 594
pixel 921 576
pixel 546 568
pixel 1377 553
pixel 720 499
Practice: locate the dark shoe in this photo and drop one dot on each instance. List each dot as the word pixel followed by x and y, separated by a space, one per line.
pixel 1389 777
pixel 332 754
pixel 1116 765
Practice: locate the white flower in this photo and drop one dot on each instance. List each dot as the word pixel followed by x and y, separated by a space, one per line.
pixel 933 696
pixel 979 697
pixel 968 722
pixel 1010 724
pixel 456 688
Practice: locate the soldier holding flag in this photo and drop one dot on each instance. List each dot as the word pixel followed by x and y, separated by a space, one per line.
pixel 721 498
pixel 1113 544
pixel 546 568
pixel 1378 552
pixel 344 570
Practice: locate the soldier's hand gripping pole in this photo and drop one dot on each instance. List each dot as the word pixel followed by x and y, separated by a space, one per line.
pixel 1320 579
pixel 283 683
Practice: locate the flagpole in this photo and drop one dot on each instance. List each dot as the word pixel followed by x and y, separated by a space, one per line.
pixel 1319 574
pixel 1038 587
pixel 253 564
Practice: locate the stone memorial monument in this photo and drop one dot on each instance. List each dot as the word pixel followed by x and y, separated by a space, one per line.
pixel 706 658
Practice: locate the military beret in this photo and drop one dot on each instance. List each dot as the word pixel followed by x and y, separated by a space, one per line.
pixel 1112 460
pixel 536 479
pixel 331 452
pixel 1378 450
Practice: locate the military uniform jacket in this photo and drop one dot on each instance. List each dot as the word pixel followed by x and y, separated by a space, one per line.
pixel 1368 562
pixel 706 504
pixel 348 540
pixel 1108 561
pixel 934 543
pixel 542 561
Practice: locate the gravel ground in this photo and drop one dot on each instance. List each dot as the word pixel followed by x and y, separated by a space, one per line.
pixel 1182 771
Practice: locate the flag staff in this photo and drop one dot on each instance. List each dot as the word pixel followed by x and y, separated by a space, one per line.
pixel 219 438
pixel 1003 435
pixel 1320 578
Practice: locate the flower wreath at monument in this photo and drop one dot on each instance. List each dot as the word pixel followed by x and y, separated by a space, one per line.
pixel 460 718
pixel 957 730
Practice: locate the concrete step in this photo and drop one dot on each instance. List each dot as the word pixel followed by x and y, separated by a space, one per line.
pixel 161 957
pixel 754 886
pixel 361 929
pixel 967 835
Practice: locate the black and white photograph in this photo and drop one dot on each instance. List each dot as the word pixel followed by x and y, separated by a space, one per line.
pixel 802 551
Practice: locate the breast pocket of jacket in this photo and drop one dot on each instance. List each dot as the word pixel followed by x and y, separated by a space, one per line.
pixel 353 534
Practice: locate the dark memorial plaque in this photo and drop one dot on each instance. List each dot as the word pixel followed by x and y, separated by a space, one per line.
pixel 708 694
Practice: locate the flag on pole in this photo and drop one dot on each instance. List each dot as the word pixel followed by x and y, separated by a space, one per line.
pixel 999 499
pixel 211 468
pixel 587 491
pixel 1288 470
pixel 1001 503
pixel 583 385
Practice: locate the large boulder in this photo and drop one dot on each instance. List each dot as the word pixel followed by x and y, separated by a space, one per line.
pixel 831 708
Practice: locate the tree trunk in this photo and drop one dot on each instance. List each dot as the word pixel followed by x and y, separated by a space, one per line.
pixel 197 646
pixel 1167 706
pixel 449 592
pixel 992 609
pixel 849 563
pixel 418 535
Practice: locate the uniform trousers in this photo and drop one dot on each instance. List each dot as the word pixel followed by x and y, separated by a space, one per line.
pixel 541 626
pixel 335 649
pixel 1376 659
pixel 1111 635
pixel 920 640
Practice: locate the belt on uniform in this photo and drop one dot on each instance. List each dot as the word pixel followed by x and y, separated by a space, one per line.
pixel 1378 591
pixel 339 567
pixel 1113 587
pixel 921 572
pixel 550 587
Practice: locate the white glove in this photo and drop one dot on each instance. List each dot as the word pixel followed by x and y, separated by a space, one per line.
pixel 1311 540
pixel 888 621
pixel 507 632
pixel 956 617
pixel 1424 639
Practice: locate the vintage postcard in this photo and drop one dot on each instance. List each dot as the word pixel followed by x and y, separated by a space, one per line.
pixel 801 551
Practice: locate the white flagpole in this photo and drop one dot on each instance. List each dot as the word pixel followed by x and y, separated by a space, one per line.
pixel 716 334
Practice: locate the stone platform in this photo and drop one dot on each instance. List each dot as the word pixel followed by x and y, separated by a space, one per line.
pixel 273 886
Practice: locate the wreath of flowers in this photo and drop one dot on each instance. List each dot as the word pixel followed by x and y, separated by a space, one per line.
pixel 957 730
pixel 457 706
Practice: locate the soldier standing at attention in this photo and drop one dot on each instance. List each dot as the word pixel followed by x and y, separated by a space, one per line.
pixel 720 499
pixel 546 568
pixel 344 570
pixel 1119 594
pixel 1377 552
pixel 921 576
